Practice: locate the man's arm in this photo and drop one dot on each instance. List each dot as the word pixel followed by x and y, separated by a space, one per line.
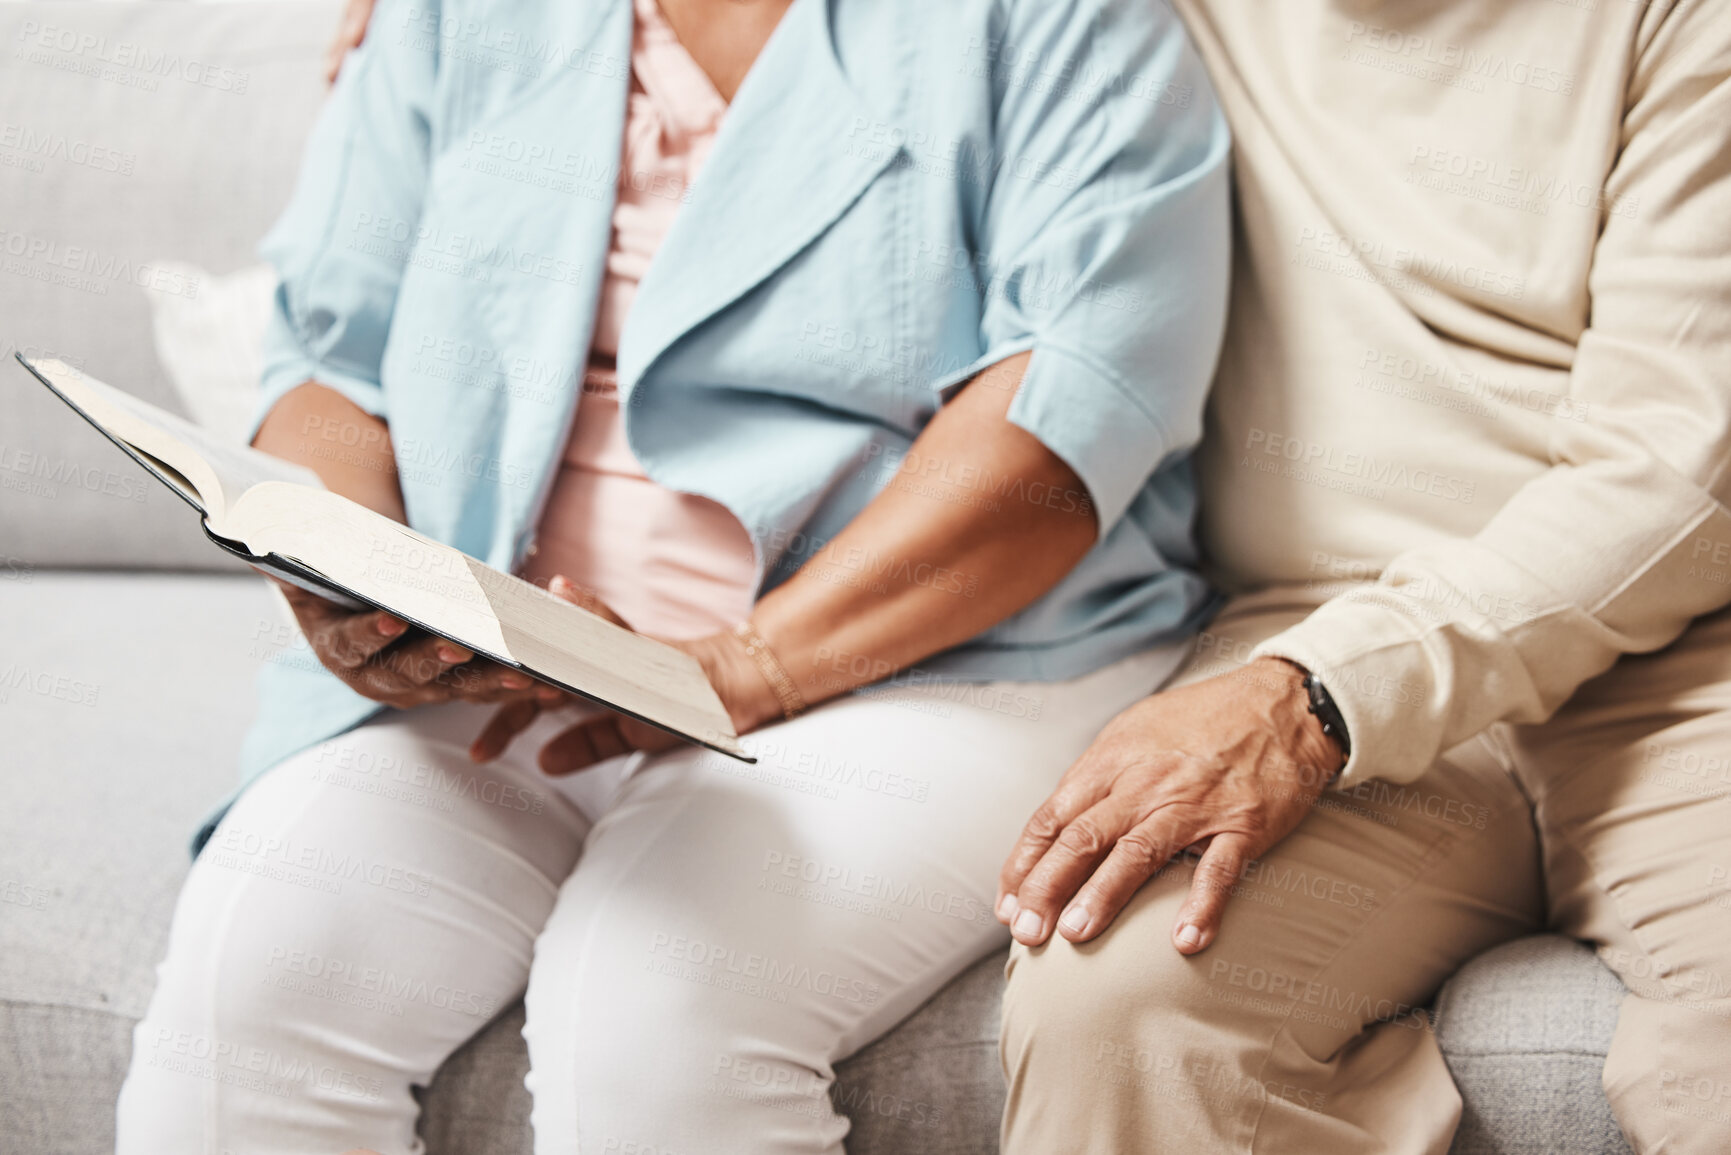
pixel 1616 548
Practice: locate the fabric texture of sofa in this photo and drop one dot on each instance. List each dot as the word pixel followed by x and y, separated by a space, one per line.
pixel 142 135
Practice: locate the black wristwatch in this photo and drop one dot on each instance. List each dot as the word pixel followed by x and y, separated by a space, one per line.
pixel 1322 705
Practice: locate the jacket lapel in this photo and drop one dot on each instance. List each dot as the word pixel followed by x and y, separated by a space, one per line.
pixel 780 174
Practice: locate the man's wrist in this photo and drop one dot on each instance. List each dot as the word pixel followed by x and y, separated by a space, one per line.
pixel 1328 714
pixel 1323 731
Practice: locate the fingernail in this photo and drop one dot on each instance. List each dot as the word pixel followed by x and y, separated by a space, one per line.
pixel 516 681
pixel 1028 926
pixel 560 581
pixel 1075 919
pixel 1007 907
pixel 450 653
pixel 1189 936
pixel 391 627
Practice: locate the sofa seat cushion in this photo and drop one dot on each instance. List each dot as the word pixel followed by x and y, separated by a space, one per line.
pixel 1525 1028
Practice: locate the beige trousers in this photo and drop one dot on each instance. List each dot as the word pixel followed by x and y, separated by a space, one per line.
pixel 1297 1031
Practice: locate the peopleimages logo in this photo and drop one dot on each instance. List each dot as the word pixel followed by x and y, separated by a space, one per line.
pixel 1065 75
pixel 1510 185
pixel 1432 380
pixel 762 975
pixel 1316 246
pixel 37 146
pixel 86 269
pixel 460 254
pixel 503 46
pixel 1364 467
pixel 16 678
pixel 1453 61
pixel 121 60
pixel 326 975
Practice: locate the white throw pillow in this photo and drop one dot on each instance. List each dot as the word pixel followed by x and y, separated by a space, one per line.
pixel 212 345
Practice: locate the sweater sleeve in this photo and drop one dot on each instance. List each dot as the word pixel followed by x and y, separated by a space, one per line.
pixel 1626 537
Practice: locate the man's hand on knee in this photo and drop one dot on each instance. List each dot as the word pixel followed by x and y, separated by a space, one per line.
pixel 1227 766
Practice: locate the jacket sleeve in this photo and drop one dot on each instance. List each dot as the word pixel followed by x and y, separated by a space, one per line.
pixel 1626 537
pixel 340 247
pixel 1105 245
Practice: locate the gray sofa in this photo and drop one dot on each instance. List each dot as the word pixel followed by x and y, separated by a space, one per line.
pixel 127 647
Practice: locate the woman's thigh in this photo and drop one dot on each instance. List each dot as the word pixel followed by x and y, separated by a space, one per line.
pixel 733 930
pixel 363 909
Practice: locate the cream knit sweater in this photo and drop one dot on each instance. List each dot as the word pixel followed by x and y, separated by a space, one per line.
pixel 1480 346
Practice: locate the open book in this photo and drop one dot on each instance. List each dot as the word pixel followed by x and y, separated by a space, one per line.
pixel 279 517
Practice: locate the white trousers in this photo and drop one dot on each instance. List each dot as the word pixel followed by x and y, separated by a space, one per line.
pixel 701 940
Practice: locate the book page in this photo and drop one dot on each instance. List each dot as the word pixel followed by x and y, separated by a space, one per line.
pixel 216 471
pixel 449 593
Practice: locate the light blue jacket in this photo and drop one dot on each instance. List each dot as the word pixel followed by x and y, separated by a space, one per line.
pixel 901 193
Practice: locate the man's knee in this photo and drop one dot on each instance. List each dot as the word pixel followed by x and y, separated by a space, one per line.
pixel 1095 1009
pixel 1062 998
pixel 1123 1035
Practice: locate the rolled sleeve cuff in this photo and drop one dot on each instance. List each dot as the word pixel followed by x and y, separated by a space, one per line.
pixel 288 366
pixel 1379 673
pixel 1084 415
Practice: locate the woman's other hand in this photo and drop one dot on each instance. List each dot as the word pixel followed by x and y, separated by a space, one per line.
pixel 351 30
pixel 379 657
pixel 749 699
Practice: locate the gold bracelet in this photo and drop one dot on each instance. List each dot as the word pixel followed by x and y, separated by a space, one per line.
pixel 770 667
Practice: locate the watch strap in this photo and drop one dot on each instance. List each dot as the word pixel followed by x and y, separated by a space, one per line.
pixel 1327 713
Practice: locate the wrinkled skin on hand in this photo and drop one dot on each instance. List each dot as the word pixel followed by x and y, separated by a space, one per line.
pixel 1224 767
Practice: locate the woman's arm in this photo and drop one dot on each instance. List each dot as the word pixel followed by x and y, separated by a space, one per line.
pixel 349 448
pixel 1117 210
pixel 980 520
pixel 374 653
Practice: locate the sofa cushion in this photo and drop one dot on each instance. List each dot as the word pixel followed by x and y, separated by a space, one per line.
pixel 133 136
pixel 59 1075
pixel 101 795
pixel 1525 1028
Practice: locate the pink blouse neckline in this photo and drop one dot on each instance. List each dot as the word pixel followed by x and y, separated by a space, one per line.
pixel 671 564
pixel 685 96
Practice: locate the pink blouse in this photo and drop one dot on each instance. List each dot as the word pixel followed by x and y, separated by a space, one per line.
pixel 670 564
